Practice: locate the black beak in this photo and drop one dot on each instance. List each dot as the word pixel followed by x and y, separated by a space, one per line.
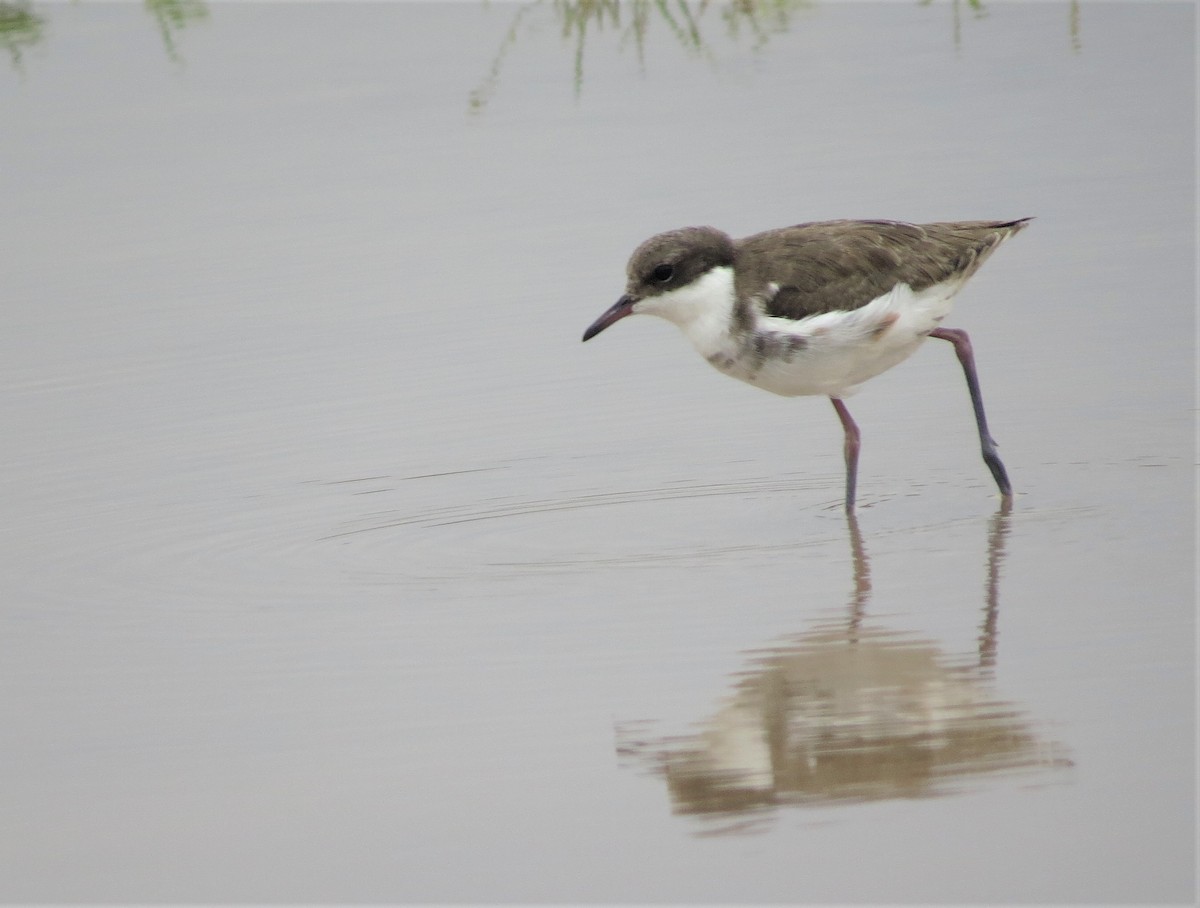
pixel 619 309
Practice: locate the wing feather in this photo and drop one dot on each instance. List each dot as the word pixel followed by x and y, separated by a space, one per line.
pixel 832 266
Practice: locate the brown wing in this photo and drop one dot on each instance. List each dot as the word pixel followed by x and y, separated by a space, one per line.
pixel 842 265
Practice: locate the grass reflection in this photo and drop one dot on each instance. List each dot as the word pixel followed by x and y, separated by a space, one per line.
pixel 20 28
pixel 689 23
pixel 172 16
pixel 630 21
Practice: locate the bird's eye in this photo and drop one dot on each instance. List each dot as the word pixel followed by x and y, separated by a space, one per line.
pixel 662 273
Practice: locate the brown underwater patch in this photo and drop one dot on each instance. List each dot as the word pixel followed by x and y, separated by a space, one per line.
pixel 793 346
pixel 722 361
pixel 884 324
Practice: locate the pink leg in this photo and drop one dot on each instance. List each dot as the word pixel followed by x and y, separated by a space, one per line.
pixel 966 357
pixel 849 449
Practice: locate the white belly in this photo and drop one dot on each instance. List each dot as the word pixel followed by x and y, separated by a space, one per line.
pixel 832 353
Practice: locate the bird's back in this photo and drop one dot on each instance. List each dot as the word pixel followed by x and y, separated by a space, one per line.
pixel 828 266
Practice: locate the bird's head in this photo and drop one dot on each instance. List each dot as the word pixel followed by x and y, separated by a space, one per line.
pixel 662 272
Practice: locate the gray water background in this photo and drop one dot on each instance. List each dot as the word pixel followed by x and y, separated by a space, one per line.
pixel 336 569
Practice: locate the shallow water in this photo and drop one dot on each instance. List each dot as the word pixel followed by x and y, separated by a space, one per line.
pixel 336 569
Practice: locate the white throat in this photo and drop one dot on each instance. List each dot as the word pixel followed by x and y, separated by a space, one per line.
pixel 702 309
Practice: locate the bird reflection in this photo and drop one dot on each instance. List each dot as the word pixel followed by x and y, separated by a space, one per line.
pixel 846 713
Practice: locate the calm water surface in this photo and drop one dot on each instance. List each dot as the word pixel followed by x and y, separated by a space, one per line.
pixel 336 569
